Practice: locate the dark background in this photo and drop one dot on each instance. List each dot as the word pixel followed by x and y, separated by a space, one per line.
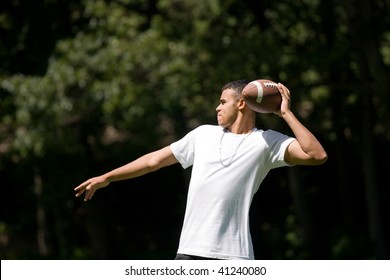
pixel 86 86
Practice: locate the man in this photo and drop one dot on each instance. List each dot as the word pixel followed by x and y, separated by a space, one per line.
pixel 229 163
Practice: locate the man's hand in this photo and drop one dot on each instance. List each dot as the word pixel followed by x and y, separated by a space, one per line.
pixel 286 100
pixel 91 186
pixel 306 150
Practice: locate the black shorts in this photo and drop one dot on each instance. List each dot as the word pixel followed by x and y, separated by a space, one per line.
pixel 181 257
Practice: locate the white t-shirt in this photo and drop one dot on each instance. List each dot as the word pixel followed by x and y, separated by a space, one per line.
pixel 216 223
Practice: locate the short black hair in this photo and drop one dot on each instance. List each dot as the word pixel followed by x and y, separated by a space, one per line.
pixel 237 86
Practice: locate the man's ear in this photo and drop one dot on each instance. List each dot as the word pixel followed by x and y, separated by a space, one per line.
pixel 241 104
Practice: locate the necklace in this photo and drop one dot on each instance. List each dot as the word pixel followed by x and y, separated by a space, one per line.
pixel 235 152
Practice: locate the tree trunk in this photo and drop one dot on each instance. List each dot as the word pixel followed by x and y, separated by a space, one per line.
pixel 43 248
pixel 364 34
pixel 303 212
pixel 370 181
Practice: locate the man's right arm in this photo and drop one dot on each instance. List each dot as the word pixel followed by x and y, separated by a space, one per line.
pixel 141 166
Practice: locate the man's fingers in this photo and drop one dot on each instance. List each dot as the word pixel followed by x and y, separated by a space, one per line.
pixel 89 187
pixel 89 193
pixel 283 90
pixel 81 188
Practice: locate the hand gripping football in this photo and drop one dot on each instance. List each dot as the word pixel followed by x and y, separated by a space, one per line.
pixel 262 96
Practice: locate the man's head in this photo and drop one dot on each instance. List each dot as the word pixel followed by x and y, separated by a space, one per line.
pixel 236 86
pixel 232 107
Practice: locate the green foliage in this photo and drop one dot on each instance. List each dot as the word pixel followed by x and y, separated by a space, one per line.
pixel 124 77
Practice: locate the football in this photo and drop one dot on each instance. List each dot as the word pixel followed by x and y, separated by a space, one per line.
pixel 262 96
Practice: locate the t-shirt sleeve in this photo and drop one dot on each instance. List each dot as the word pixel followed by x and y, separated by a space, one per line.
pixel 184 149
pixel 278 144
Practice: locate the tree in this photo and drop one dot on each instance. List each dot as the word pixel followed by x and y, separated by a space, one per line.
pixel 115 79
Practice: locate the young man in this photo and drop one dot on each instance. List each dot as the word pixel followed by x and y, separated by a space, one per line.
pixel 229 163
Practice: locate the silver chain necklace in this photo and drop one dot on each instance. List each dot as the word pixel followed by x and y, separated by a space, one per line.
pixel 235 152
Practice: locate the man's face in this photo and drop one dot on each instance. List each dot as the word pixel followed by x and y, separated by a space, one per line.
pixel 227 109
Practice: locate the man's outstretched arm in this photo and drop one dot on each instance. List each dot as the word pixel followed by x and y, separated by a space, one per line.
pixel 141 166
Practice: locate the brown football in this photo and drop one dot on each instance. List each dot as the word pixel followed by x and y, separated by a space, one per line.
pixel 262 96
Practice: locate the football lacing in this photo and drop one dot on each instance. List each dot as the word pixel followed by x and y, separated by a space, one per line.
pixel 270 84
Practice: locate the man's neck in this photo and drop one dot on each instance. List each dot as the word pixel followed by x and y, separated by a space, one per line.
pixel 241 129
